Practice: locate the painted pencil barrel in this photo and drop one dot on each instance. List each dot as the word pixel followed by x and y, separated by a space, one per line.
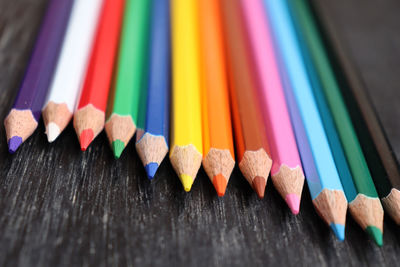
pixel 153 145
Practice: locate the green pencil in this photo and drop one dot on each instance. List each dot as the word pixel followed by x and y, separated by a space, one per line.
pixel 367 197
pixel 130 77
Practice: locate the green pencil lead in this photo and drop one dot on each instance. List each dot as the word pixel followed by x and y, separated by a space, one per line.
pixel 375 234
pixel 118 146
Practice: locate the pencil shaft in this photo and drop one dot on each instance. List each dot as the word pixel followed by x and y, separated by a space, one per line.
pixel 74 55
pixel 44 58
pixel 216 111
pixel 100 69
pixel 157 115
pixel 248 124
pixel 186 109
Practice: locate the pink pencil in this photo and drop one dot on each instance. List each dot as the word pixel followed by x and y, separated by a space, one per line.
pixel 286 173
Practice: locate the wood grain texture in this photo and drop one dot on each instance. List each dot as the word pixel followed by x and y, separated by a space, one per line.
pixel 59 206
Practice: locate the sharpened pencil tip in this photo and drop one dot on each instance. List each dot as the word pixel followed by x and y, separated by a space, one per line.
pixel 220 183
pixel 376 234
pixel 118 147
pixel 338 230
pixel 259 184
pixel 52 131
pixel 86 138
pixel 187 182
pixel 293 201
pixel 151 169
pixel 14 143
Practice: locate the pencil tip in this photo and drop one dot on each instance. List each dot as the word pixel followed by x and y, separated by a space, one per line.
pixel 259 184
pixel 118 147
pixel 86 138
pixel 187 181
pixel 376 234
pixel 293 201
pixel 14 143
pixel 151 169
pixel 220 183
pixel 52 131
pixel 338 229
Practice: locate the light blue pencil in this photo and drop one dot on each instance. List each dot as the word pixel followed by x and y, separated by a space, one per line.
pixel 325 188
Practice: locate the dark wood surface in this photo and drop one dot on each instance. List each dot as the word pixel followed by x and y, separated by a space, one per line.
pixel 59 206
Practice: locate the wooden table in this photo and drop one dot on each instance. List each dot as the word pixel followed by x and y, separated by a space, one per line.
pixel 59 206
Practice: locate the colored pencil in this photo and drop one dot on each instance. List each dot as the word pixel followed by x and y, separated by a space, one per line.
pixel 130 75
pixel 286 172
pixel 325 187
pixel 250 135
pixel 380 156
pixel 24 116
pixel 219 157
pixel 71 67
pixel 366 206
pixel 187 145
pixel 153 145
pixel 89 117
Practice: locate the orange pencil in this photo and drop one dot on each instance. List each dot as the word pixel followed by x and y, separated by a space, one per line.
pixel 250 135
pixel 218 159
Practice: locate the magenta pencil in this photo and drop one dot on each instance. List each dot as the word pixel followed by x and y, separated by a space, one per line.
pixel 286 173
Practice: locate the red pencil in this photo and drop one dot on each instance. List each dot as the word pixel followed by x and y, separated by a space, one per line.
pixel 90 115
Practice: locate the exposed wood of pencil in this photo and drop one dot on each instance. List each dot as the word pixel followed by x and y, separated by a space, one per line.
pixel 56 117
pixel 152 149
pixel 289 181
pixel 363 204
pixel 88 123
pixel 252 147
pixel 120 130
pixel 186 161
pixel 219 164
pixel 20 123
pixel 381 159
pixel 331 205
pixel 218 159
pixel 392 204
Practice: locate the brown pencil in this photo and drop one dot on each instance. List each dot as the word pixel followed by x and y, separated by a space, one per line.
pixel 250 135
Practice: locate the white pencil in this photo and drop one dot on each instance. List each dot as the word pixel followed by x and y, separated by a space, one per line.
pixel 71 66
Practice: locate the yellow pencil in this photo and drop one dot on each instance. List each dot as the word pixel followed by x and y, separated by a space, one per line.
pixel 186 144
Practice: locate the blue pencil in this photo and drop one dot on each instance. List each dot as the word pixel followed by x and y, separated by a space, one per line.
pixel 153 145
pixel 325 187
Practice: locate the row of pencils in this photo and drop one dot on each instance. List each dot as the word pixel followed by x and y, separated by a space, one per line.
pixel 254 74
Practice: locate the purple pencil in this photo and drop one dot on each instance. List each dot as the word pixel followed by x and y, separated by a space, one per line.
pixel 23 118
